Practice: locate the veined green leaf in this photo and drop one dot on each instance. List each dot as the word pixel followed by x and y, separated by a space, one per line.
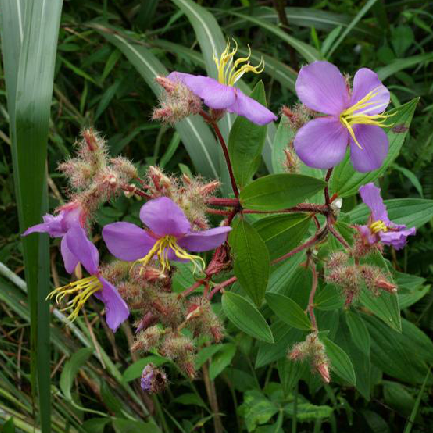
pixel 252 262
pixel 399 64
pixel 345 181
pixel 340 361
pixel 279 191
pixel 358 331
pixel 288 311
pixel 245 316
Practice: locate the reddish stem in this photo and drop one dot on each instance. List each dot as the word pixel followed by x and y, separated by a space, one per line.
pixel 221 286
pixel 326 189
pixel 216 128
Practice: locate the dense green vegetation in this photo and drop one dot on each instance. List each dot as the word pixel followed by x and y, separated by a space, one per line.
pixel 107 56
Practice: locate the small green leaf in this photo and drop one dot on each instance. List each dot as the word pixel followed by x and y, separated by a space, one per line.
pixel 281 140
pixel 246 142
pixel 339 361
pixel 290 372
pixel 279 191
pixel 345 181
pixel 221 360
pixel 329 298
pixel 244 315
pixel 288 311
pixel 135 370
pixel 133 426
pixel 190 400
pixel 70 370
pixel 251 259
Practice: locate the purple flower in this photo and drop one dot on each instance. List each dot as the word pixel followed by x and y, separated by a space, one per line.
pixel 116 310
pixel 168 237
pixel 380 228
pixel 353 118
pixel 153 380
pixel 221 94
pixel 58 227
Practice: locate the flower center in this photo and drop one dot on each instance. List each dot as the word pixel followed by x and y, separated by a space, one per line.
pixel 161 249
pixel 229 71
pixel 81 289
pixel 349 118
pixel 378 226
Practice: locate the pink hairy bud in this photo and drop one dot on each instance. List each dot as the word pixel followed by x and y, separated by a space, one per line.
pixel 168 85
pixel 323 370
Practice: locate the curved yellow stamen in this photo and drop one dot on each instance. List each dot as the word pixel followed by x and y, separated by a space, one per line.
pixel 162 247
pixel 378 226
pixel 349 118
pixel 228 71
pixel 81 289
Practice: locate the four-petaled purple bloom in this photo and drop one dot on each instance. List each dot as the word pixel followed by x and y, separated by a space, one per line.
pixel 380 228
pixel 352 118
pixel 168 237
pixel 58 227
pixel 221 94
pixel 116 310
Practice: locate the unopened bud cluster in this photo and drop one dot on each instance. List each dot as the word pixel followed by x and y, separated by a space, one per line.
pixel 176 102
pixel 313 350
pixel 94 178
pixel 189 194
pixel 351 277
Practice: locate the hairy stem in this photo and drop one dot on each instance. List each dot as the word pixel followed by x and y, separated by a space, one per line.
pixel 312 293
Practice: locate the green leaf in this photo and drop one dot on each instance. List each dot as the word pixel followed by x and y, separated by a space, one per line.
pixel 195 134
pixel 29 32
pixel 244 315
pixel 282 233
pixel 133 426
pixel 246 142
pixel 398 65
pixel 288 311
pixel 71 368
pixel 190 400
pixel 282 139
pixel 398 397
pixel 358 331
pixel 405 355
pixel 413 212
pixel 95 425
pixel 251 259
pixel 257 409
pixel 339 361
pixel 290 372
pixel 135 370
pixel 221 360
pixel 8 426
pixel 345 181
pixel 279 191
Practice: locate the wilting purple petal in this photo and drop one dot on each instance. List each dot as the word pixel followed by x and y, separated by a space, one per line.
pixel 205 240
pixel 397 238
pixel 70 261
pixel 365 232
pixel 374 143
pixel 370 195
pixel 251 109
pixel 213 93
pixel 116 310
pixel 321 87
pixel 51 225
pixel 365 81
pixel 322 142
pixel 164 217
pixel 83 249
pixel 126 241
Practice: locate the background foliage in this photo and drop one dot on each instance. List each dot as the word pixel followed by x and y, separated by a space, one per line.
pixel 107 56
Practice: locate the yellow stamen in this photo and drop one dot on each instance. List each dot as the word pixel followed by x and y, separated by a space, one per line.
pixel 349 118
pixel 228 71
pixel 161 249
pixel 81 289
pixel 378 226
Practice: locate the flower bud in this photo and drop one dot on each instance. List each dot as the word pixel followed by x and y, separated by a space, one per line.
pixel 153 380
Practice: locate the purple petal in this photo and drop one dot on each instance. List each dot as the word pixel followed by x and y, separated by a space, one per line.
pixel 164 217
pixel 321 87
pixel 251 109
pixel 69 259
pixel 322 142
pixel 205 240
pixel 126 241
pixel 116 309
pixel 83 249
pixel 370 195
pixel 374 143
pixel 365 232
pixel 397 238
pixel 51 225
pixel 213 93
pixel 365 81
